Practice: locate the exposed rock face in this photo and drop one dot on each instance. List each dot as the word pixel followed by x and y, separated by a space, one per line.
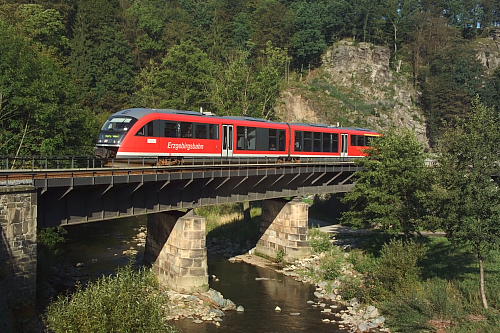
pixel 488 51
pixel 355 86
pixel 346 59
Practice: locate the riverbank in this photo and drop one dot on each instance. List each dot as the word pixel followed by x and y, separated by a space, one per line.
pixel 346 314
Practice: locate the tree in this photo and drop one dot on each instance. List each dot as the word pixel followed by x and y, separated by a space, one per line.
pixel 308 41
pixel 269 80
pixel 101 58
pixel 147 22
pixel 389 190
pixel 38 110
pixel 448 91
pixel 271 22
pixel 491 91
pixel 232 90
pixel 181 81
pixel 465 200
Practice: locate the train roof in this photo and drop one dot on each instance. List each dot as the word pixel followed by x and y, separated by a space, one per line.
pixel 141 112
pixel 336 127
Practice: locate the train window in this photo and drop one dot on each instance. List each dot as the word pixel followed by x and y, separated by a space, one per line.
pixel 201 131
pixel 186 130
pixel 147 130
pixel 335 143
pixel 240 144
pixel 118 124
pixel 170 129
pixel 281 140
pixel 247 138
pixel 251 138
pixel 298 140
pixel 361 140
pixel 317 141
pixel 273 138
pixel 369 140
pixel 213 131
pixel 327 142
pixel 307 141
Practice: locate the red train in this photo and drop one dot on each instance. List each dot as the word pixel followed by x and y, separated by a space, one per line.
pixel 173 134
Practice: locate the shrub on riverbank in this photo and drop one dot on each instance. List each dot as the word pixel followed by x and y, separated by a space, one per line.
pixel 128 302
pixel 424 287
pixel 319 241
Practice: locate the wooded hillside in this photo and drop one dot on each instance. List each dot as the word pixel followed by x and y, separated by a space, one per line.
pixel 66 65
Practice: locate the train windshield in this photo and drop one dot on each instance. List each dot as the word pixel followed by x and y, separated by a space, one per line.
pixel 118 124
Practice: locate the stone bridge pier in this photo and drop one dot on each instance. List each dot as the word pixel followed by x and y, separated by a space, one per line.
pixel 176 249
pixel 284 226
pixel 18 255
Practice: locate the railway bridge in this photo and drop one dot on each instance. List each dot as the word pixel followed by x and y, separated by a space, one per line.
pixel 40 193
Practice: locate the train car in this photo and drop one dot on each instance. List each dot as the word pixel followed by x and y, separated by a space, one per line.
pixel 320 141
pixel 173 135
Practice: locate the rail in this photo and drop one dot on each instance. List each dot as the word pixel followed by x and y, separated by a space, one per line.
pixel 21 164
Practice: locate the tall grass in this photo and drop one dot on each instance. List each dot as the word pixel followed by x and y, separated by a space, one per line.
pixel 128 302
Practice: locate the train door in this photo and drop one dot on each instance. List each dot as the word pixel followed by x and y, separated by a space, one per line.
pixel 344 145
pixel 227 141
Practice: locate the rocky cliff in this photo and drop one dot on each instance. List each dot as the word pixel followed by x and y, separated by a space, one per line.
pixel 355 86
pixel 488 51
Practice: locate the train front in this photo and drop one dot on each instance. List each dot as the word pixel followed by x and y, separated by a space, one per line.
pixel 112 134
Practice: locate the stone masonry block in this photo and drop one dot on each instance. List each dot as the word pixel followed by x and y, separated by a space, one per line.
pixel 182 256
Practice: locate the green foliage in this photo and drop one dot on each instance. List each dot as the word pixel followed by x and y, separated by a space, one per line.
pixel 450 87
pixel 51 238
pixel 389 188
pixel 362 263
pixel 465 200
pixel 308 42
pixel 353 287
pixel 332 265
pixel 491 92
pixel 280 256
pixel 38 110
pixel 128 302
pixel 408 311
pixel 148 22
pixel 101 58
pixel 319 241
pixel 397 267
pixel 180 82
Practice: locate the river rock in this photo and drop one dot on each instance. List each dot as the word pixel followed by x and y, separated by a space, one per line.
pixel 326 320
pixel 197 321
pixel 294 313
pixel 79 264
pixel 240 308
pixel 326 310
pixel 277 308
pixel 371 312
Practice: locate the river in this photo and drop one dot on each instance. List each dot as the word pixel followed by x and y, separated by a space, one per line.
pixel 98 248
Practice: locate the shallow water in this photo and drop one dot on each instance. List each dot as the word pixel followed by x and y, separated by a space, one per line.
pixel 99 247
pixel 259 298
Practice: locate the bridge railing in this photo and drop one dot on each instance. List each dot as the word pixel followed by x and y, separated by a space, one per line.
pixel 81 162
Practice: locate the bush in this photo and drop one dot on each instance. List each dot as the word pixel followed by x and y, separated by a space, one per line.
pixel 407 311
pixel 397 267
pixel 353 287
pixel 127 302
pixel 280 256
pixel 332 264
pixel 319 241
pixel 363 263
pixel 445 299
pixel 51 238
